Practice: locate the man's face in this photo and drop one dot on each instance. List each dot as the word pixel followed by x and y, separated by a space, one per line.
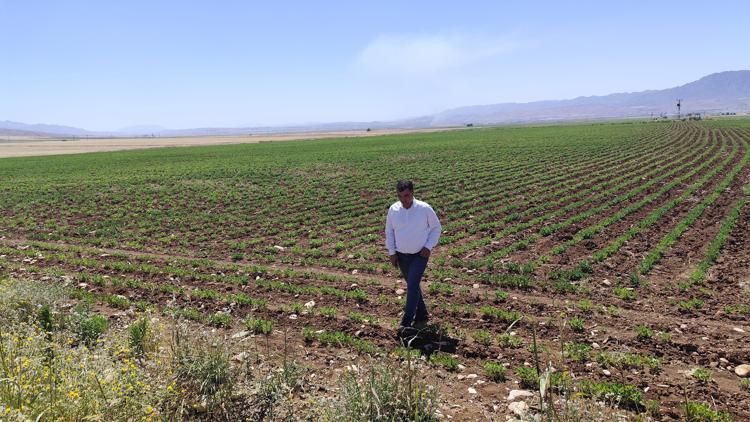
pixel 406 197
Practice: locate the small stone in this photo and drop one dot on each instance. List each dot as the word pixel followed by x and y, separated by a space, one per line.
pixel 738 329
pixel 399 291
pixel 293 316
pixel 722 360
pixel 310 304
pixel 472 376
pixel 241 334
pixel 519 408
pixel 354 271
pixel 461 367
pixel 606 372
pixel 472 390
pixel 514 394
pixel 240 357
pixel 742 370
pixel 606 282
pixel 350 256
pixel 279 248
pixel 595 345
pixel 683 326
pixel 475 285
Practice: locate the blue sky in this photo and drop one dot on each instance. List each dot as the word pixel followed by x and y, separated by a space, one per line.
pixel 180 64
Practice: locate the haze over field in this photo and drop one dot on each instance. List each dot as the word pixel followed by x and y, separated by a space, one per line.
pixel 723 92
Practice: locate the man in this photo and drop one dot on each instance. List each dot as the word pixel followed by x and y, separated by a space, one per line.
pixel 412 229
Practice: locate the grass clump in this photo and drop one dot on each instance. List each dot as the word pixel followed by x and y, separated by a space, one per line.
pixel 118 301
pixel 220 319
pixel 491 312
pixel 88 327
pixel 439 287
pixel 201 370
pixel 529 378
pixel 689 305
pixel 703 375
pixel 501 296
pixel 383 393
pixel 625 293
pixel 143 337
pixel 447 361
pixel 643 332
pixel 328 312
pixel 585 305
pixel 482 337
pixel 578 352
pixel 508 341
pixel 259 325
pixel 576 324
pixel 626 360
pixel 699 412
pixel 361 318
pixel 495 371
pixel 620 395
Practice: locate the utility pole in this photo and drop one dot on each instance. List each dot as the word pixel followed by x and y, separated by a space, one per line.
pixel 679 104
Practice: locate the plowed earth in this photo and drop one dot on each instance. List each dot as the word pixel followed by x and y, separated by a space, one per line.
pixel 163 257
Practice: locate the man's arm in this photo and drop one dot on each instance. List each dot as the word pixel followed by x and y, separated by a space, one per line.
pixel 435 228
pixel 390 239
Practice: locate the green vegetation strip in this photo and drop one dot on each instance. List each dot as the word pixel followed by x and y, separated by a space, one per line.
pixel 670 238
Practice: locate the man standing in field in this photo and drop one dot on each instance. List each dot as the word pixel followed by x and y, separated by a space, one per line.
pixel 412 229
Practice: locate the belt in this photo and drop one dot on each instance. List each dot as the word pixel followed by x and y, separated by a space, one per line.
pixel 404 253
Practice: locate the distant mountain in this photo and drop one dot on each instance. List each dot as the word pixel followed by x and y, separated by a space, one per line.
pixel 718 92
pixel 715 93
pixel 14 128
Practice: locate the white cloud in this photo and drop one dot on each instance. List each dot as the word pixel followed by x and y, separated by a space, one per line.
pixel 420 55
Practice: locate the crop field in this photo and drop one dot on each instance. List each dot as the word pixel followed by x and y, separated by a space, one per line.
pixel 612 258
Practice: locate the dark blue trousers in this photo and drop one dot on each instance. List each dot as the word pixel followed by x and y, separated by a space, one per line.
pixel 412 267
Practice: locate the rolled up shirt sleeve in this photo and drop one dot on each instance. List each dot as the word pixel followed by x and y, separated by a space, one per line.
pixel 390 235
pixel 435 228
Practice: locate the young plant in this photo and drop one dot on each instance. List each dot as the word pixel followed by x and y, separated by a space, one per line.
pixel 703 375
pixel 508 341
pixel 259 325
pixel 220 319
pixel 447 361
pixel 643 332
pixel 482 337
pixel 495 371
pixel 576 324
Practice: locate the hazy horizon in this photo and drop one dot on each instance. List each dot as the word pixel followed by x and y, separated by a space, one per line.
pixel 105 67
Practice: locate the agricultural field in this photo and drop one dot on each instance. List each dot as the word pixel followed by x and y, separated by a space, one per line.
pixel 610 260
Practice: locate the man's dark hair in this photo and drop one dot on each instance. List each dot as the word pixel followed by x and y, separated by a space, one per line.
pixel 403 185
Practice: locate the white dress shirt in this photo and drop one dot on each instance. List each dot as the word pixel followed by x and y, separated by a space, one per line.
pixel 408 230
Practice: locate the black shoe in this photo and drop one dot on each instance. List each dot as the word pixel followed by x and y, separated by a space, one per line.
pixel 420 325
pixel 405 331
